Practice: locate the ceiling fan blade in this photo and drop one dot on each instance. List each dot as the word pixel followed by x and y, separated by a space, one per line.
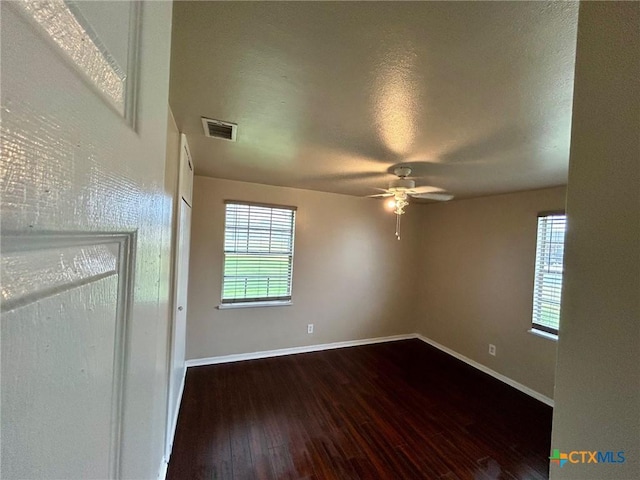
pixel 441 197
pixel 380 195
pixel 425 189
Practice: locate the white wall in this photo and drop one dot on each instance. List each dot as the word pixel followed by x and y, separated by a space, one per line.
pixel 476 282
pixel 351 277
pixel 171 192
pixel 598 375
pixel 167 272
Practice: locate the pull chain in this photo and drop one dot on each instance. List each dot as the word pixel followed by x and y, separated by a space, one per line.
pixel 401 202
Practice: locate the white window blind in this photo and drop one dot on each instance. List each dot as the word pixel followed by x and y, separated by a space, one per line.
pixel 258 253
pixel 547 288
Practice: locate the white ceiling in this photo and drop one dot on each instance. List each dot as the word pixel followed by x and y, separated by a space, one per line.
pixel 475 96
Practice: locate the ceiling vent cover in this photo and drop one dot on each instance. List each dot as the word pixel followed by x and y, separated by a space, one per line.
pixel 219 129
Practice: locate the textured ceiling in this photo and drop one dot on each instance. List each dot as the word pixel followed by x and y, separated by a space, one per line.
pixel 475 96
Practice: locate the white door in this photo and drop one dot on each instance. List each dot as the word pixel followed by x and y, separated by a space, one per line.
pixel 179 330
pixel 84 107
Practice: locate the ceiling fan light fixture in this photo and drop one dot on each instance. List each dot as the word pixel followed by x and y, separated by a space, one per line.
pixel 401 188
pixel 400 201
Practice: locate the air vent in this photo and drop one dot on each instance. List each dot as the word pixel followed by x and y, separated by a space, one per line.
pixel 219 129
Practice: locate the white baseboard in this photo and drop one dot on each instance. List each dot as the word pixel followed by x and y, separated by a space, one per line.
pixel 198 362
pixel 524 389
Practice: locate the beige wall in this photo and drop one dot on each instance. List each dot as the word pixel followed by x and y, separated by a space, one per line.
pixel 462 275
pixel 476 282
pixel 351 278
pixel 598 375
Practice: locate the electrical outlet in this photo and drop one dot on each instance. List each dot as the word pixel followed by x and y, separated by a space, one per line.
pixel 310 328
pixel 492 349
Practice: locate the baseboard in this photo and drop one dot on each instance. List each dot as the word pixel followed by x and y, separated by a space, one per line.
pixel 199 362
pixel 524 389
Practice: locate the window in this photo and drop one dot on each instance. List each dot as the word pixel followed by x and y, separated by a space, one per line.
pixel 547 288
pixel 258 253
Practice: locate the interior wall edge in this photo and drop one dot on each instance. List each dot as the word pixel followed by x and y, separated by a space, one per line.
pixel 483 368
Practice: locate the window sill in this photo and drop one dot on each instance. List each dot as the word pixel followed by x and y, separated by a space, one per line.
pixel 540 333
pixel 229 306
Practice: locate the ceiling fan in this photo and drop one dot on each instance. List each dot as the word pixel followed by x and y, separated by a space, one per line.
pixel 402 188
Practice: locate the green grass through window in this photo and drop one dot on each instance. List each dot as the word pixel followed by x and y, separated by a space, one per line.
pixel 256 276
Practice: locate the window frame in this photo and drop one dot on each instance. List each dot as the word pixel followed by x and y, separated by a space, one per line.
pixel 536 327
pixel 238 301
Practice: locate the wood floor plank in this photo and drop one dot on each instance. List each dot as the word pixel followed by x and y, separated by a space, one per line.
pixel 397 410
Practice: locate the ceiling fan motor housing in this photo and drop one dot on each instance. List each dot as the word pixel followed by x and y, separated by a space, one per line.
pixel 402 184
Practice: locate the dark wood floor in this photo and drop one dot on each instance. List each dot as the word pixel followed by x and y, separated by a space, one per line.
pixel 398 410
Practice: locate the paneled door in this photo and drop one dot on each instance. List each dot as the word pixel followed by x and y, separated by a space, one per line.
pixel 84 106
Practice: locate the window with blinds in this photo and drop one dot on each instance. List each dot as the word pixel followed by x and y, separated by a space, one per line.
pixel 258 253
pixel 547 288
